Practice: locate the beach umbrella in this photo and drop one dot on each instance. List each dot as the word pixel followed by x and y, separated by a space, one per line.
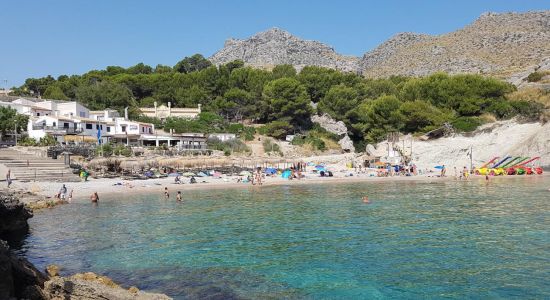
pixel 202 174
pixel 174 174
pixel 270 171
pixel 286 174
pixel 438 167
pixel 188 174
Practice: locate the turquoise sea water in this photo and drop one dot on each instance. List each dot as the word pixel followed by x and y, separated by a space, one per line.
pixel 414 241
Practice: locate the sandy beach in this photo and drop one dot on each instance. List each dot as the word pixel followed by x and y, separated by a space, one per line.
pixel 108 188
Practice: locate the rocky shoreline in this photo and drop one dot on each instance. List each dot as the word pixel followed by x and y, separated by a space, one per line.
pixel 19 279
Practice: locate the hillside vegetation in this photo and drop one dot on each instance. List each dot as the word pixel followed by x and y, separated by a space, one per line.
pixel 284 99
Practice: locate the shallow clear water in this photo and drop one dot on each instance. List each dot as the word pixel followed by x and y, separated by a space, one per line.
pixel 415 240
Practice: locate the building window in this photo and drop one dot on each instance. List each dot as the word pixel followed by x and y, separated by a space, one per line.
pixel 108 129
pixel 142 129
pixel 150 130
pixel 65 125
pixel 82 114
pixel 89 126
pixel 123 128
pixel 38 114
pixel 54 124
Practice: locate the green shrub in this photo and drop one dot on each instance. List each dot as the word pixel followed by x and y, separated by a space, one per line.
pixel 316 142
pixel 466 124
pixel 502 110
pixel 228 147
pixel 529 110
pixel 245 132
pixel 104 150
pixel 535 76
pixel 122 150
pixel 277 129
pixel 47 140
pixel 271 146
pixel 28 142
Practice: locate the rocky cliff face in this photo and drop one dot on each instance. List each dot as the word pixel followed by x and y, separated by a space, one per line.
pixel 496 44
pixel 499 44
pixel 276 47
pixel 13 216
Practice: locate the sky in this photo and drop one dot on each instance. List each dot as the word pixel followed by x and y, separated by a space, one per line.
pixel 59 37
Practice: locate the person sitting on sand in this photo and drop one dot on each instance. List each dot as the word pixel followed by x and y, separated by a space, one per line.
pixel 178 196
pixel 94 197
pixel 63 192
pixel 177 180
pixel 192 180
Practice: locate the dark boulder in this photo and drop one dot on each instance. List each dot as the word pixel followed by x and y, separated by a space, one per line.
pixel 13 217
pixel 18 277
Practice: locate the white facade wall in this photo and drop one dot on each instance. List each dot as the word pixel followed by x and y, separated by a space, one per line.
pixel 73 109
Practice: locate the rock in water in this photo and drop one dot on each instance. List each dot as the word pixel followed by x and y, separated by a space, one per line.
pixel 13 216
pixel 52 270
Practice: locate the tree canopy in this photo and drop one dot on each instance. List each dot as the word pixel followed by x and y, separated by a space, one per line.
pixel 285 98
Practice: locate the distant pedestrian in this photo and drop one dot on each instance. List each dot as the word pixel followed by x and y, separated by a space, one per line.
pixel 70 198
pixel 8 178
pixel 443 171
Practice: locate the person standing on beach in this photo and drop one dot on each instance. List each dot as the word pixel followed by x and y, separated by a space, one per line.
pixel 70 196
pixel 443 171
pixel 8 178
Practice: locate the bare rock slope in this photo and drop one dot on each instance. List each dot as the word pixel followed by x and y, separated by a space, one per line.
pixel 276 47
pixel 498 44
pixel 501 139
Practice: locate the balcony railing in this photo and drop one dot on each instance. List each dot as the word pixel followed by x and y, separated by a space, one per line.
pixel 57 129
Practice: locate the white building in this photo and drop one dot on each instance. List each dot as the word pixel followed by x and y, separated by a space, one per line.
pixel 71 122
pixel 223 136
pixel 165 111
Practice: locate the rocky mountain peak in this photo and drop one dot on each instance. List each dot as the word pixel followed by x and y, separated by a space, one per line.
pixel 276 46
pixel 496 43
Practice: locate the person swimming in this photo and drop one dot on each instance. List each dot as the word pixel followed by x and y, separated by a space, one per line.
pixel 366 199
pixel 178 196
pixel 166 194
pixel 94 197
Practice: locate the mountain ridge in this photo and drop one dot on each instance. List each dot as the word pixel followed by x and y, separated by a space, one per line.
pixel 495 43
